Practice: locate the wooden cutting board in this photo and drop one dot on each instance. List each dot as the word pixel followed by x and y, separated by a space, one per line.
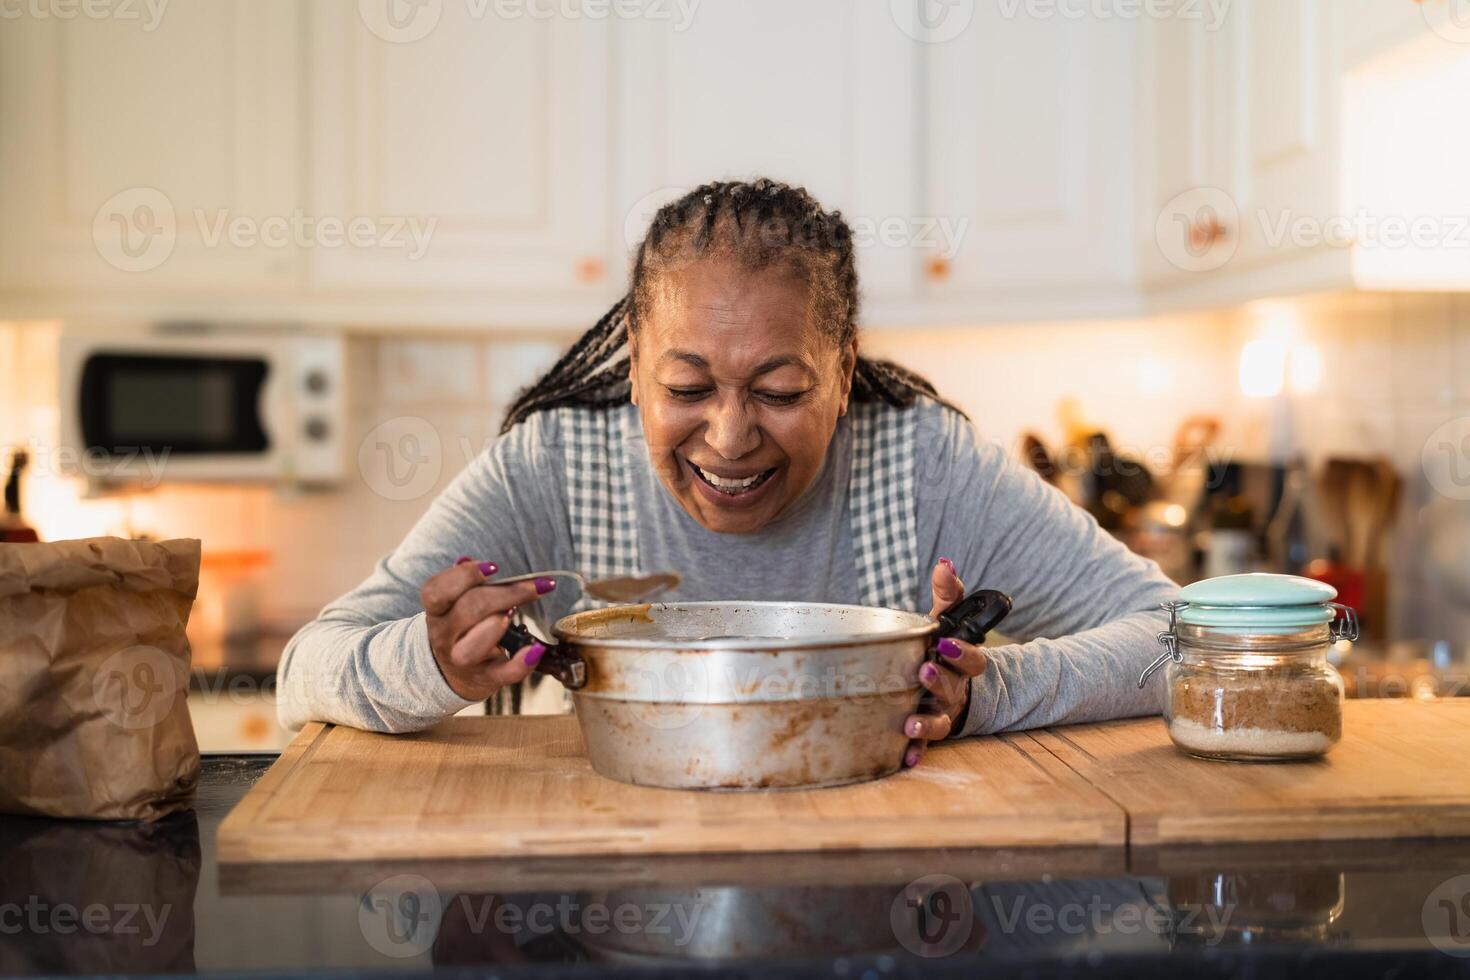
pixel 1401 770
pixel 485 787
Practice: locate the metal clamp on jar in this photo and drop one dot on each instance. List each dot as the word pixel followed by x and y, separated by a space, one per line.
pixel 1247 672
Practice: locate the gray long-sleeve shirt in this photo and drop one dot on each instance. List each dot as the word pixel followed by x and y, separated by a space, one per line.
pixel 1085 606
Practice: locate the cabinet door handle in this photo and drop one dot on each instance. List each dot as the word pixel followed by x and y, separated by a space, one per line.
pixel 591 269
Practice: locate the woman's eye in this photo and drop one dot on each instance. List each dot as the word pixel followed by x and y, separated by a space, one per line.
pixel 687 394
pixel 780 397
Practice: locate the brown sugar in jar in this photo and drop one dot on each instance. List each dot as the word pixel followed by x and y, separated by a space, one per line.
pixel 1246 672
pixel 1278 698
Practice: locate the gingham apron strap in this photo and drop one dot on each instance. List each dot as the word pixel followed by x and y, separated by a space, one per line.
pixel 882 502
pixel 600 491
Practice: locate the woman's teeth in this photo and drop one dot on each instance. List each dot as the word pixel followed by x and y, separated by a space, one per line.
pixel 729 486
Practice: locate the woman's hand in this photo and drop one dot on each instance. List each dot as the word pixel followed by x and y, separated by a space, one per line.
pixel 466 620
pixel 949 680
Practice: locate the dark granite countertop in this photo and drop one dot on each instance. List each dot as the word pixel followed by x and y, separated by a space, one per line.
pixel 89 899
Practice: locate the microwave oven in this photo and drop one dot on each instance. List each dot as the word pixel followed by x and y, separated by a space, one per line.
pixel 244 405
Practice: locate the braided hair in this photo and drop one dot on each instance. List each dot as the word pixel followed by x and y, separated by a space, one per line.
pixel 758 224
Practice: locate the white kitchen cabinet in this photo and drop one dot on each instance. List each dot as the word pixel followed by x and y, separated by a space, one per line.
pixel 1286 73
pixel 140 157
pixel 1185 140
pixel 484 133
pixel 1029 138
pixel 819 93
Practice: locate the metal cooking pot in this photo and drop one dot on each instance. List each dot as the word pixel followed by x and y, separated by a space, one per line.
pixel 750 695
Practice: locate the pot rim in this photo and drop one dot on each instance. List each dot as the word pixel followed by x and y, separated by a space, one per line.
pixel 922 626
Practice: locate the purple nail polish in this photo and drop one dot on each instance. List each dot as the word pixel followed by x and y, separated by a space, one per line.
pixel 947 563
pixel 928 672
pixel 488 568
pixel 534 653
pixel 911 758
pixel 462 559
pixel 545 585
pixel 913 729
pixel 949 648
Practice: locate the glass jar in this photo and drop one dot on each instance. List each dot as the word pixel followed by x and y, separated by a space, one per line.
pixel 1247 675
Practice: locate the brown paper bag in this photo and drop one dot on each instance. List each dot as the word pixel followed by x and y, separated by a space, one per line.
pixel 94 673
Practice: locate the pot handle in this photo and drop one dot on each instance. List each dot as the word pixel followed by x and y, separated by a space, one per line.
pixel 973 616
pixel 559 662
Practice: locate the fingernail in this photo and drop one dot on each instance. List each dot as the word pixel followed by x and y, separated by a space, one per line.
pixel 911 758
pixel 545 585
pixel 949 648
pixel 462 559
pixel 928 672
pixel 534 653
pixel 947 563
pixel 488 568
pixel 913 729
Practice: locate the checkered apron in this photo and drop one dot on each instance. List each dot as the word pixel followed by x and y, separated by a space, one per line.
pixel 881 492
pixel 880 489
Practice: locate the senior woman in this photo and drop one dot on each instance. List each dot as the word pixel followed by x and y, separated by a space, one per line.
pixel 720 421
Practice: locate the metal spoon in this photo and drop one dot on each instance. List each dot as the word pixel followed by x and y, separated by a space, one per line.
pixel 625 588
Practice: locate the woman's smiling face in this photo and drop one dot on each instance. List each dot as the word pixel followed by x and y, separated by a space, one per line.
pixel 739 391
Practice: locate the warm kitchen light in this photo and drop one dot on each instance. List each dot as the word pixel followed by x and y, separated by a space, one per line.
pixel 1305 369
pixel 1262 368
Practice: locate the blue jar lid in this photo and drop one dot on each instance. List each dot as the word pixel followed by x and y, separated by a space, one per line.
pixel 1258 601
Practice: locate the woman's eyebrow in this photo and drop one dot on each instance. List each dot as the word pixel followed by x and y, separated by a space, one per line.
pixel 765 367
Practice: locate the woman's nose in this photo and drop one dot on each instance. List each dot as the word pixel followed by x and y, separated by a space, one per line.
pixel 731 431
